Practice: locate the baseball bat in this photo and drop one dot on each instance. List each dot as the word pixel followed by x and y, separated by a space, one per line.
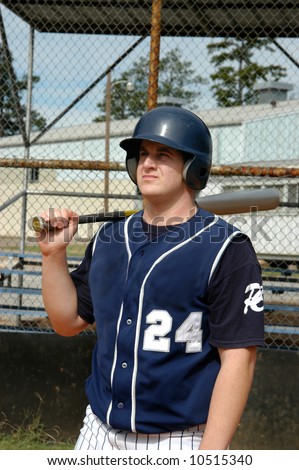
pixel 236 202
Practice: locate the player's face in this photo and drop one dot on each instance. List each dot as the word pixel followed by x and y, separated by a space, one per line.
pixel 160 170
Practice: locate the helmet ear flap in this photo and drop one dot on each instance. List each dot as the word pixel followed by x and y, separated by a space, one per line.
pixel 195 174
pixel 186 167
pixel 131 164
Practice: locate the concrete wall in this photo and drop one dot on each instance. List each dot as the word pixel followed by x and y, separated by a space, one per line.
pixel 46 366
pixel 55 368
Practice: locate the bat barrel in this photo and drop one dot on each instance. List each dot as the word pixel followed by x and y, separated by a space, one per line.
pixel 238 202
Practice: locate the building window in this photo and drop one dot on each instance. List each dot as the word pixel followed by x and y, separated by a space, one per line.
pixel 293 193
pixel 231 188
pixel 33 175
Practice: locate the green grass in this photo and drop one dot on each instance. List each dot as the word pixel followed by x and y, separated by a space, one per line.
pixel 31 435
pixel 74 249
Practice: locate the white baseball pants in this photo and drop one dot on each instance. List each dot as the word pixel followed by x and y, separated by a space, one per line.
pixel 96 435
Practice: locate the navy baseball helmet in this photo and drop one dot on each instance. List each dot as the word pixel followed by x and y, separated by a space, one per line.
pixel 177 128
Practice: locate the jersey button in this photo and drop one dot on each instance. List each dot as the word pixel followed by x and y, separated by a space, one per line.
pixel 129 321
pixel 124 365
pixel 120 405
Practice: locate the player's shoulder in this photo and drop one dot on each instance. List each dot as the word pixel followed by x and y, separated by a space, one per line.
pixel 239 253
pixel 219 225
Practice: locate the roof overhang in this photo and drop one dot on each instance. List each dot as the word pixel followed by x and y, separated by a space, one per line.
pixel 208 18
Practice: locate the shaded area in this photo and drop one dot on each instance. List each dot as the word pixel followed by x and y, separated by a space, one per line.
pixel 271 417
pixel 45 367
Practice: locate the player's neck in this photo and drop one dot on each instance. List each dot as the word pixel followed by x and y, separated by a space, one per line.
pixel 169 213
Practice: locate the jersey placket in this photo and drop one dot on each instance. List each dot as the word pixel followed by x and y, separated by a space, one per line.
pixel 119 411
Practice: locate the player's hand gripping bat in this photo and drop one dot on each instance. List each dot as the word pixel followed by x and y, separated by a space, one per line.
pixel 236 202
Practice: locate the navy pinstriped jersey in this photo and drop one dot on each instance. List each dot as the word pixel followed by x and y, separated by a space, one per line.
pixel 161 312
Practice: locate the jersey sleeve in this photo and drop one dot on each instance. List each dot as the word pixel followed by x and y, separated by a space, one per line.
pixel 80 278
pixel 235 298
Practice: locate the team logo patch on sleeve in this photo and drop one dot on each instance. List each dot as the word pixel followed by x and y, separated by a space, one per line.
pixel 255 299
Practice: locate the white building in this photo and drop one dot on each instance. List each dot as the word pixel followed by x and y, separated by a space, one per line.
pixel 262 134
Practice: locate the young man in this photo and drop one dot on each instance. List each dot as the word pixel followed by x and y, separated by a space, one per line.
pixel 176 294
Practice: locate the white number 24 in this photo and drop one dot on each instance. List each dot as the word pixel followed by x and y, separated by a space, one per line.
pixel 160 322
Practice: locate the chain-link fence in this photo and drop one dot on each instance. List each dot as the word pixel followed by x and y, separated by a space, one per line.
pixel 75 77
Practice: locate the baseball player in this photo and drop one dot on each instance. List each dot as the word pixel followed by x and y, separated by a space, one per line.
pixel 176 295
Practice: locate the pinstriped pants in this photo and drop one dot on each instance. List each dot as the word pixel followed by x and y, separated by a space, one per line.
pixel 96 435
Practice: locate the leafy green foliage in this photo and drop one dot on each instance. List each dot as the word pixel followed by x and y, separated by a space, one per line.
pixel 9 124
pixel 177 79
pixel 237 71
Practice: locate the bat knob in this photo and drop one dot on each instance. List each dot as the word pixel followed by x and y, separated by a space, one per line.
pixel 39 224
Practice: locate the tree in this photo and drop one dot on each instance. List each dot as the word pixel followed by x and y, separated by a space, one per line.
pixel 237 72
pixel 8 116
pixel 176 79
